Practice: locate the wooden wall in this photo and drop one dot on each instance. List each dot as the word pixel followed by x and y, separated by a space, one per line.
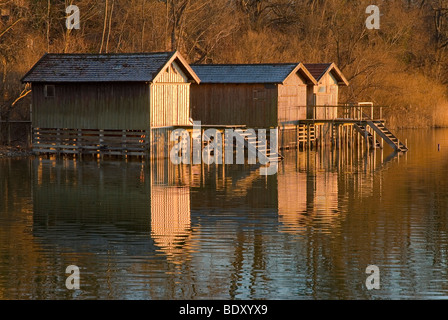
pixel 170 104
pixel 170 98
pixel 254 105
pixel 292 99
pixel 92 106
pixel 115 106
pixel 327 93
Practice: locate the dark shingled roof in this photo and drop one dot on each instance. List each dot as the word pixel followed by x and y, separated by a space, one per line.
pixel 243 73
pixel 137 67
pixel 317 69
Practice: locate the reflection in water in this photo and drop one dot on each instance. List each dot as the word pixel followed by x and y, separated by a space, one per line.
pixel 159 231
pixel 315 195
pixel 170 220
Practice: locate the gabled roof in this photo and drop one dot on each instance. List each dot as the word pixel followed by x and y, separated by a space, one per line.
pixel 250 73
pixel 135 67
pixel 318 70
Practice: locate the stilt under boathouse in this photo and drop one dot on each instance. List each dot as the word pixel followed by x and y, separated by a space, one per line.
pixel 108 104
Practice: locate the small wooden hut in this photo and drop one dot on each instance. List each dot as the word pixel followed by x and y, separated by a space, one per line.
pixel 326 92
pixel 91 103
pixel 255 95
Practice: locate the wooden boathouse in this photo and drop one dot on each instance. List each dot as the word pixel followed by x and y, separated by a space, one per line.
pixel 301 100
pixel 107 103
pixel 254 95
pixel 326 92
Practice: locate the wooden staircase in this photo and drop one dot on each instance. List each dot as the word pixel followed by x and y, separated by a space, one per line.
pixel 387 136
pixel 256 147
pixel 366 134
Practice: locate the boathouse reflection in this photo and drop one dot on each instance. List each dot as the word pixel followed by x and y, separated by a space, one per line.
pixel 102 206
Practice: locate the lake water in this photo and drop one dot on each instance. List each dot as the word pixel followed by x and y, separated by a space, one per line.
pixel 158 231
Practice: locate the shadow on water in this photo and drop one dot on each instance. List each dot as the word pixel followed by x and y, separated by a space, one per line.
pixel 158 231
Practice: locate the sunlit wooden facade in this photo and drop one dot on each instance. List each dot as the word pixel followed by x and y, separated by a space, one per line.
pixel 326 91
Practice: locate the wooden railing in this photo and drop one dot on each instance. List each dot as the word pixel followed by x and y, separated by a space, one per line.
pixel 352 111
pixel 82 141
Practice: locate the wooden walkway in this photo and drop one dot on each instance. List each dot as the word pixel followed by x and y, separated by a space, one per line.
pixel 374 132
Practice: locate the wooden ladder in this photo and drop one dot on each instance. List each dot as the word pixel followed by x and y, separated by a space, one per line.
pixel 258 148
pixel 387 135
pixel 366 134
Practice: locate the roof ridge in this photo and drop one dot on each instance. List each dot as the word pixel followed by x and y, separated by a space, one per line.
pixel 318 63
pixel 247 64
pixel 110 54
pixel 75 67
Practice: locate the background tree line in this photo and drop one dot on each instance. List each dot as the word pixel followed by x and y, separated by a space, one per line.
pixel 402 65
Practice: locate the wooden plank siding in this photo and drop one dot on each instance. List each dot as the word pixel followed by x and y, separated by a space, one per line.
pixel 170 98
pixel 327 94
pixel 253 105
pixel 292 99
pixel 170 104
pixel 108 106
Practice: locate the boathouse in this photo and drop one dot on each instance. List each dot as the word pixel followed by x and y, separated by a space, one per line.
pixel 97 103
pixel 326 92
pixel 254 95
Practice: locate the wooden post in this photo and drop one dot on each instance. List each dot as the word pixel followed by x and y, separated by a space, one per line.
pixel 9 132
pixel 297 136
pixel 123 143
pixel 308 136
pixel 223 150
pixel 374 139
pixel 367 140
pixel 79 143
pixel 320 136
pixel 30 136
pixel 339 136
pixel 191 148
pixel 101 142
pixel 58 142
pixel 362 143
pixel 330 134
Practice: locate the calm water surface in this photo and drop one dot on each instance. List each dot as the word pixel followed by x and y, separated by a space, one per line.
pixel 141 231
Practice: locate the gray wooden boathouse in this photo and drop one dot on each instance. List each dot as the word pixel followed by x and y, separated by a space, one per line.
pixel 254 95
pixel 107 103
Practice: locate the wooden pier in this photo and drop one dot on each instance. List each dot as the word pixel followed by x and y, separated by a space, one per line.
pixel 353 126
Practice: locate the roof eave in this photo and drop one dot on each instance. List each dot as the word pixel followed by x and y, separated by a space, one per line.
pixel 176 55
pixel 342 81
pixel 301 67
pixel 23 80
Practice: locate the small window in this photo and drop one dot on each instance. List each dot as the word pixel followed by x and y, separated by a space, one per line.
pixel 322 89
pixel 49 91
pixel 259 94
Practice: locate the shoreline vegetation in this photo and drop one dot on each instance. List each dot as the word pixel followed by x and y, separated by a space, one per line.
pixel 403 65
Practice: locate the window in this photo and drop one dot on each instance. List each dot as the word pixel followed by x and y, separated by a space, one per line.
pixel 322 89
pixel 259 94
pixel 49 91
